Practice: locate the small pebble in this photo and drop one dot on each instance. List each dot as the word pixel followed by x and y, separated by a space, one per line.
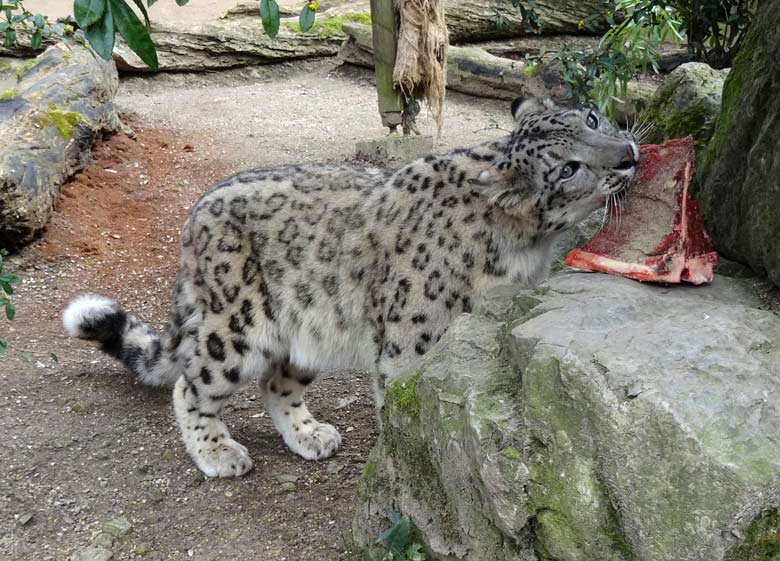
pixel 118 526
pixel 92 554
pixel 287 478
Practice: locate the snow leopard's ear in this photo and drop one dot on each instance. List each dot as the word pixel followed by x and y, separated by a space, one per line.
pixel 522 107
pixel 499 188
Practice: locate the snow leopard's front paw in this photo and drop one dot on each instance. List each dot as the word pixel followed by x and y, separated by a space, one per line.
pixel 226 458
pixel 315 440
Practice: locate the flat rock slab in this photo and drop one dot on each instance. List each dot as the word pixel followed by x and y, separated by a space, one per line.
pixel 237 39
pixel 48 120
pixel 591 418
pixel 394 149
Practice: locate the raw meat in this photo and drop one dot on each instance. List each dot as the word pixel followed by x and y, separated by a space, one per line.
pixel 659 234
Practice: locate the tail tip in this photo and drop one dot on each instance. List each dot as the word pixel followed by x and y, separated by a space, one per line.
pixel 86 311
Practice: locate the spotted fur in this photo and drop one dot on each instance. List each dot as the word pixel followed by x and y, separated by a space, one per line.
pixel 290 270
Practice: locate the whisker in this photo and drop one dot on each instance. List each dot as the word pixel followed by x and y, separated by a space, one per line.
pixel 616 211
pixel 644 130
pixel 605 215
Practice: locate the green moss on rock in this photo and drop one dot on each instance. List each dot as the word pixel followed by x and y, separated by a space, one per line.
pixel 402 396
pixel 332 26
pixel 512 453
pixel 64 121
pixel 369 471
pixel 689 121
pixel 573 519
pixel 746 65
pixel 22 69
pixel 762 540
pixel 8 94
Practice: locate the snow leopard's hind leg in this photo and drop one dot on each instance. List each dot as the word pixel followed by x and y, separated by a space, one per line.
pixel 283 387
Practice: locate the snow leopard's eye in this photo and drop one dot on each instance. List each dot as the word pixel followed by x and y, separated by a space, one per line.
pixel 592 120
pixel 569 170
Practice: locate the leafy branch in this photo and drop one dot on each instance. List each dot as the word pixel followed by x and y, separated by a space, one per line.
pixel 637 29
pixel 14 17
pixel 101 20
pixel 7 281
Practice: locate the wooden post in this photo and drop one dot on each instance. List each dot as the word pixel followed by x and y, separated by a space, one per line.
pixel 385 33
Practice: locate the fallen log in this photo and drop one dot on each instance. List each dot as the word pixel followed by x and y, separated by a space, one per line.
pixel 470 70
pixel 478 20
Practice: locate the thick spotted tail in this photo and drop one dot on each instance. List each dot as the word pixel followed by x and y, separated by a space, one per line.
pixel 122 336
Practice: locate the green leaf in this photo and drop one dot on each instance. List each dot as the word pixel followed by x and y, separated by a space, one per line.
pixel 4 25
pixel 415 552
pixel 36 39
pixel 10 311
pixel 6 287
pixel 150 3
pixel 57 29
pixel 101 35
pixel 10 38
pixel 306 19
pixel 141 7
pixel 3 347
pixel 134 32
pixel 182 2
pixel 88 12
pixel 26 356
pixel 269 13
pixel 397 537
pixel 55 358
pixel 39 21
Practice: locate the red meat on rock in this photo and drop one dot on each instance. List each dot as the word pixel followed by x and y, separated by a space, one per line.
pixel 659 234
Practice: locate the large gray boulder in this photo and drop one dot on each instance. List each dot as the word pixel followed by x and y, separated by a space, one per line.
pixel 687 103
pixel 739 190
pixel 62 100
pixel 593 418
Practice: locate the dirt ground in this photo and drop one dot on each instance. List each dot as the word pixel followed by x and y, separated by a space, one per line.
pixel 82 443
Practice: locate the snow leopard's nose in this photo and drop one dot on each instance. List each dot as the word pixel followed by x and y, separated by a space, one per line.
pixel 630 158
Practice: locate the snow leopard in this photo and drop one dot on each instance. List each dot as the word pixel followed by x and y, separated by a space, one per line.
pixel 287 271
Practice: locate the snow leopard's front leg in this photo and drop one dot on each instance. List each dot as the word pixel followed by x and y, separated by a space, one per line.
pixel 282 388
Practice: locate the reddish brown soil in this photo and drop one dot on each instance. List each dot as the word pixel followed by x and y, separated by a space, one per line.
pixel 123 212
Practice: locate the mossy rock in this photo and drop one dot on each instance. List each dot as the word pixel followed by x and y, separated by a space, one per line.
pixel 739 175
pixel 59 103
pixel 588 421
pixel 687 103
